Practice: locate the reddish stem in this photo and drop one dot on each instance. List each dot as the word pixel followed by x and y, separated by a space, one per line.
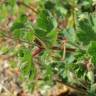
pixel 37 51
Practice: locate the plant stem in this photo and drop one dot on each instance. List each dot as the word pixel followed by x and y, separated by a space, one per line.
pixel 22 3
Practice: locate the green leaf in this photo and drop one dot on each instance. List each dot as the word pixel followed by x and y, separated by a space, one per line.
pixel 25 54
pixel 22 18
pixel 29 36
pixel 3 12
pixel 19 22
pixel 40 33
pixel 86 6
pixel 70 35
pixel 86 33
pixel 45 21
pixel 92 51
pixel 52 38
pixel 94 22
pixel 46 26
pixel 90 76
pixel 93 88
pixel 49 5
pixel 48 38
pixel 17 34
pixel 12 2
pixel 48 73
pixel 27 67
pixel 17 25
